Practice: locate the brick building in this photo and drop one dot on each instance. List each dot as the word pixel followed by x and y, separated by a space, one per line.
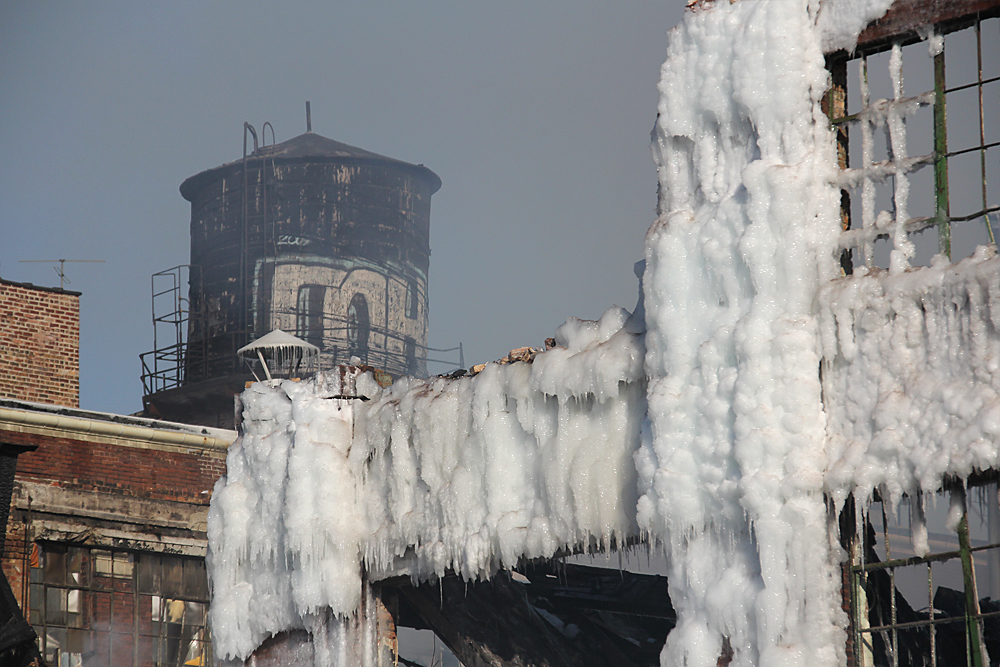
pixel 106 538
pixel 39 343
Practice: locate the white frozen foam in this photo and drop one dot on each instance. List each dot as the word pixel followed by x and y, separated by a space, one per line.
pixel 469 475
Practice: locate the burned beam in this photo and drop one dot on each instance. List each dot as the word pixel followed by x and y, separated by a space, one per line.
pixel 574 616
pixel 906 17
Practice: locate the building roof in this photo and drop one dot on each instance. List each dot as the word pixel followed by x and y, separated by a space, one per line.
pixel 15 412
pixel 308 146
pixel 57 290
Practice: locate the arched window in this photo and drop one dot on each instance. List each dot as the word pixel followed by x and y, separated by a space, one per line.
pixel 309 314
pixel 410 352
pixel 411 298
pixel 358 325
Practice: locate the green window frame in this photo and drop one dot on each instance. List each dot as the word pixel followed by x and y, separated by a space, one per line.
pixel 862 173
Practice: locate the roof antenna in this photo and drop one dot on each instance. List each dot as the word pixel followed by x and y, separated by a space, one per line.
pixel 63 280
pixel 309 121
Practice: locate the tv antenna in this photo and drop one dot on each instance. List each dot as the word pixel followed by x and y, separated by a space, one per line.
pixel 63 280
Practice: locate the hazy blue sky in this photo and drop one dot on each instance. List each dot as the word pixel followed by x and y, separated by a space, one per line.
pixel 535 115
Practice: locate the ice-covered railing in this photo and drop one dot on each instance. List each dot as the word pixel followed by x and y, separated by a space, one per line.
pixel 889 115
pixel 426 476
pixel 910 356
pixel 903 213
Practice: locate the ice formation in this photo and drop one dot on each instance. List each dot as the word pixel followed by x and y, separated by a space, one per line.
pixel 733 468
pixel 521 460
pixel 761 390
pixel 912 376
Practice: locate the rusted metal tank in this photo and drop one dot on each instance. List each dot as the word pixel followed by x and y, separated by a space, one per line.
pixel 315 237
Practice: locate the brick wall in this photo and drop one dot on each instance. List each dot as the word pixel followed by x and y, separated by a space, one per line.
pixel 186 476
pixel 39 344
pixel 131 471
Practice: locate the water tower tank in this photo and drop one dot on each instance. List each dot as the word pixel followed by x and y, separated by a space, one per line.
pixel 315 237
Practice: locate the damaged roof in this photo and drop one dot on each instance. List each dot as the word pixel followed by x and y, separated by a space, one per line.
pixel 308 147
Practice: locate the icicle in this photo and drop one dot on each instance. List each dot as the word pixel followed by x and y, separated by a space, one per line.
pixel 427 470
pixel 896 131
pixel 918 525
pixel 867 157
pixel 956 509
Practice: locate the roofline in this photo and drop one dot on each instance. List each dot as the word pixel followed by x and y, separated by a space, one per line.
pixel 906 19
pixel 57 290
pixel 16 415
pixel 193 184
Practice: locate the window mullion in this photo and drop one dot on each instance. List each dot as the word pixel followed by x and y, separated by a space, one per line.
pixel 941 157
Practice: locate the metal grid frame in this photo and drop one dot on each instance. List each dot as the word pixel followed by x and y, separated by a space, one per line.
pixel 890 114
pixel 863 632
pixel 99 613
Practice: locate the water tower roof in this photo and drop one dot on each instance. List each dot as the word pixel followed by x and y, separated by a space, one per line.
pixel 309 147
pixel 311 144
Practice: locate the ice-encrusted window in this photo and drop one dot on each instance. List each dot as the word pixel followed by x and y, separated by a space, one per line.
pixel 919 143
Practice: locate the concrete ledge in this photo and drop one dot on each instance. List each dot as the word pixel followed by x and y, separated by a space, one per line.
pixel 95 430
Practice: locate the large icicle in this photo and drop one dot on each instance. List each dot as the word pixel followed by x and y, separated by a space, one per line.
pixel 733 468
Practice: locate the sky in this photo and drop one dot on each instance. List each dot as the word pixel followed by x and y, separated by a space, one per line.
pixel 536 116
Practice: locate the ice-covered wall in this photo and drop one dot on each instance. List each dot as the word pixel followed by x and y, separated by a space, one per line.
pixel 469 474
pixel 732 470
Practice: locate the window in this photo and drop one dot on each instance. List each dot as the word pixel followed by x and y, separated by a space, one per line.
pixel 410 352
pixel 411 299
pixel 99 607
pixel 358 326
pixel 309 314
pixel 918 144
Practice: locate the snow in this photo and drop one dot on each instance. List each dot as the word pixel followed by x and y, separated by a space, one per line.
pixel 726 420
pixel 839 22
pixel 748 443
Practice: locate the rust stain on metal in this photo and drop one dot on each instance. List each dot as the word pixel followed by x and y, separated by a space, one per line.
pixel 906 17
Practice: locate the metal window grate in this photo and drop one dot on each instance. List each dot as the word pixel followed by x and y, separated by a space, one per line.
pixel 925 610
pixel 919 158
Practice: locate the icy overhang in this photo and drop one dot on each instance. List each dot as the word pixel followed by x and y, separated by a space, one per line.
pixel 426 476
pixel 911 376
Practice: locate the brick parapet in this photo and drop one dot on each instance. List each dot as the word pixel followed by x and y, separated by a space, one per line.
pixel 140 472
pixel 39 344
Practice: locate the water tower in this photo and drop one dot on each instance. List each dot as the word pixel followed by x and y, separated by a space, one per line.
pixel 323 240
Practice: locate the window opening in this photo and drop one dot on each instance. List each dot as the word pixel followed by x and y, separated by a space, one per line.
pixel 358 326
pixel 105 607
pixel 411 299
pixel 309 320
pixel 410 352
